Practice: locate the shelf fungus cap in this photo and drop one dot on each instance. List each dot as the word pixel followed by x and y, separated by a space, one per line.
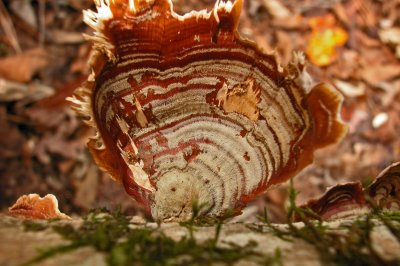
pixel 349 200
pixel 33 206
pixel 338 202
pixel 385 190
pixel 186 110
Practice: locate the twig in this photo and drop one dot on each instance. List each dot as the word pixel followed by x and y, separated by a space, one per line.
pixel 8 28
pixel 42 22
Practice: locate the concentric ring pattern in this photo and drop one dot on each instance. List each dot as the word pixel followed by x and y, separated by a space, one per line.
pixel 188 111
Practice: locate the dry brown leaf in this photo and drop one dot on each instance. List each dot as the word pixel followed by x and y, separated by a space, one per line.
pixel 53 144
pixel 24 10
pixel 277 9
pixel 366 40
pixel 350 90
pixel 86 190
pixel 285 46
pixel 374 74
pixel 346 67
pixel 385 127
pixel 8 28
pixel 79 64
pixel 295 22
pixel 14 91
pixel 11 91
pixel 392 92
pixel 46 118
pixel 370 19
pixel 342 13
pixel 11 139
pixel 390 35
pixel 357 118
pixel 22 67
pixel 66 37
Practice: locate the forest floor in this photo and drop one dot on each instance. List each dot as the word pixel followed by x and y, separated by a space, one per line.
pixel 43 58
pixel 115 239
pixel 353 45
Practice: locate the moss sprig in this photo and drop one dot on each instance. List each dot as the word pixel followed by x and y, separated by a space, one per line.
pixel 123 244
pixel 350 244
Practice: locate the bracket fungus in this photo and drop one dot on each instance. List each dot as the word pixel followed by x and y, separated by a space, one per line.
pixel 385 190
pixel 349 200
pixel 186 110
pixel 33 206
pixel 338 202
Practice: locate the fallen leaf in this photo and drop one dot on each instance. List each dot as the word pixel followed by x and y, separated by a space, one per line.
pixel 295 22
pixel 14 91
pixel 374 74
pixel 390 35
pixel 86 189
pixel 385 127
pixel 66 37
pixel 325 38
pixel 52 144
pixel 392 92
pixel 357 118
pixel 24 10
pixel 8 28
pixel 11 139
pixel 285 46
pixel 277 9
pixel 22 67
pixel 349 89
pixel 365 40
pixel 347 67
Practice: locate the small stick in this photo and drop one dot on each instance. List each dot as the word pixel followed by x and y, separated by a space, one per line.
pixel 42 22
pixel 8 28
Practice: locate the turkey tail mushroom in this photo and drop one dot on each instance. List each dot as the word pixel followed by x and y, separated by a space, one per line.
pixel 34 207
pixel 186 110
pixel 349 200
pixel 385 190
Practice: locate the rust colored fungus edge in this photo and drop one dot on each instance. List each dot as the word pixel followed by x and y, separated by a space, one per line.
pixel 385 190
pixel 339 202
pixel 186 110
pixel 348 200
pixel 33 206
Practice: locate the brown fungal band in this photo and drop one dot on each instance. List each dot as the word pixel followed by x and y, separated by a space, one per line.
pixel 187 110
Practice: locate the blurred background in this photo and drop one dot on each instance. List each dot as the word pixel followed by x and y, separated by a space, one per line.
pixel 353 45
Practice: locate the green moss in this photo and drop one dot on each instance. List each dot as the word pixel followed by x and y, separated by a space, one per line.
pixel 4 50
pixel 111 234
pixel 38 225
pixel 123 244
pixel 350 244
pixel 33 226
pixel 390 219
